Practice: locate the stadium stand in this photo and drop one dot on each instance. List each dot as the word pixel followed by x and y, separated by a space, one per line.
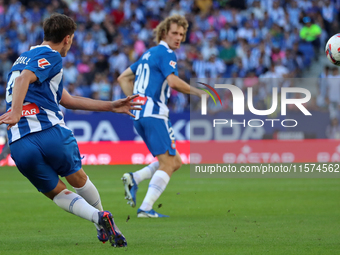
pixel 226 39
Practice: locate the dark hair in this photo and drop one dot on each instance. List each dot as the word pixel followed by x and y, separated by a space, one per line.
pixel 57 27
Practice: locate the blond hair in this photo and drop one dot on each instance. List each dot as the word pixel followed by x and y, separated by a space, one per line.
pixel 164 27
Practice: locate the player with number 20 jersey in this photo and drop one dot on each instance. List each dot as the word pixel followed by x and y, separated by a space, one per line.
pixel 151 77
pixel 151 71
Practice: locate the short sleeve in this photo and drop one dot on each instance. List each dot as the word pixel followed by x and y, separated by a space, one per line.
pixel 168 63
pixel 44 65
pixel 134 67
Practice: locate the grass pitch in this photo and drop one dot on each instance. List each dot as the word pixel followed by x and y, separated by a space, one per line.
pixel 207 216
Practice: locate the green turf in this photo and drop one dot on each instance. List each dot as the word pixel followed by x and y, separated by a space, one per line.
pixel 208 216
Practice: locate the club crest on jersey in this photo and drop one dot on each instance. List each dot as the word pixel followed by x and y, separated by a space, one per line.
pixel 173 144
pixel 173 64
pixel 43 62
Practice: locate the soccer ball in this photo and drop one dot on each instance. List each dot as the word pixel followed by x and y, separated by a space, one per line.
pixel 333 49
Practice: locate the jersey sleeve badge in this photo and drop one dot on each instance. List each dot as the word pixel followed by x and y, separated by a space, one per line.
pixel 173 64
pixel 43 62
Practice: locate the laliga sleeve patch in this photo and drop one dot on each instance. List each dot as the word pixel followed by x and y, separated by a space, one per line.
pixel 173 64
pixel 43 62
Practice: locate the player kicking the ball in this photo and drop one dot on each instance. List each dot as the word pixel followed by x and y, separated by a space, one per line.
pixel 41 145
pixel 151 77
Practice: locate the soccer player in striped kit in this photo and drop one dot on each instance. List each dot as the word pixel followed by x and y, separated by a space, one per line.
pixel 42 147
pixel 151 77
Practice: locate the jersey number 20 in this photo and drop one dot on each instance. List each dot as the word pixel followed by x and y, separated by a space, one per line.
pixel 143 73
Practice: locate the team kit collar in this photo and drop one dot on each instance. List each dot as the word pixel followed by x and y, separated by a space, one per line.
pixel 164 44
pixel 38 46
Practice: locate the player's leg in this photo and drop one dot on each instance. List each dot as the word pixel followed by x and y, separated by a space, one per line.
pixel 68 164
pixel 77 205
pixel 73 203
pixel 30 161
pixel 34 156
pixel 160 140
pixel 131 181
pixel 86 189
pixel 168 164
pixel 146 172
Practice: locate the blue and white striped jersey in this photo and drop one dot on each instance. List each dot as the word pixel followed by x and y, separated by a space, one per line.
pixel 41 104
pixel 151 71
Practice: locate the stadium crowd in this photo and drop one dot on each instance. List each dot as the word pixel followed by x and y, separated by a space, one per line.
pixel 228 39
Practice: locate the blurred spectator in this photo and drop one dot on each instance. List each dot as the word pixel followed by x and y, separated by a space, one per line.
pixel 215 67
pixel 293 13
pixel 311 33
pixel 80 33
pixel 204 5
pixel 333 92
pixel 329 13
pixel 209 49
pixel 5 65
pixel 101 87
pixel 89 45
pixel 249 60
pixel 251 80
pixel 70 73
pixel 227 53
pixel 97 16
pixel 133 10
pixel 23 44
pixel 98 34
pixel 74 90
pixel 199 66
pixel 322 87
pixel 196 35
pixel 245 32
pixel 102 65
pixel 257 10
pixel 277 14
pixel 118 14
pixel 118 62
pixel 177 10
pixel 277 54
pixel 227 33
pixel 145 33
pixel 333 129
pixel 139 46
pixel 116 91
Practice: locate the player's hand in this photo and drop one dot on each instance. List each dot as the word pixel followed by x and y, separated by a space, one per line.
pixel 126 105
pixel 10 118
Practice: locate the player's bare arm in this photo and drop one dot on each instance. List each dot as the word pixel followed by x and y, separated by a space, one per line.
pixel 178 84
pixel 19 92
pixel 81 103
pixel 126 80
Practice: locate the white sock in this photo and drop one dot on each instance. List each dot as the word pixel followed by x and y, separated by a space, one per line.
pixel 156 187
pixel 90 193
pixel 146 172
pixel 75 204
